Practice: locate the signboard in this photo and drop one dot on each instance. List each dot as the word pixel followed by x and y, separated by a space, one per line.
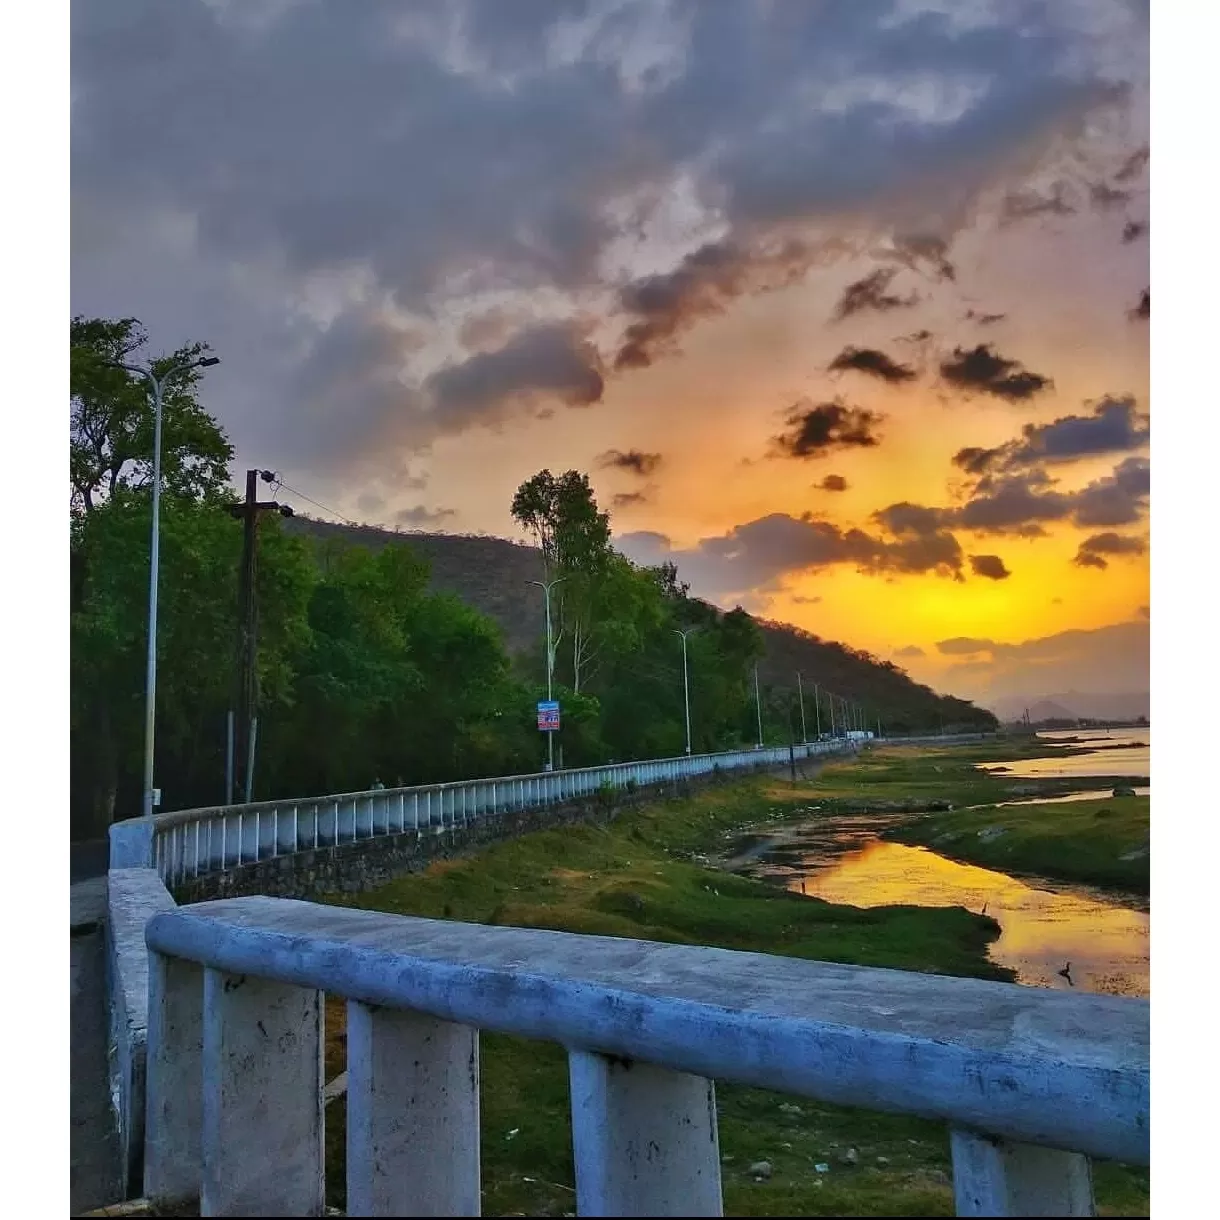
pixel 548 716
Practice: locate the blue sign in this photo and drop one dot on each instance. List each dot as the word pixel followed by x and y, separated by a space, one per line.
pixel 548 716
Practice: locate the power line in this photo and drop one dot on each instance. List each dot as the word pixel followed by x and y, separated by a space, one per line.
pixel 269 476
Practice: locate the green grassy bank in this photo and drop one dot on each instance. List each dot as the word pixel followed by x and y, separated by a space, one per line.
pixel 1101 842
pixel 644 876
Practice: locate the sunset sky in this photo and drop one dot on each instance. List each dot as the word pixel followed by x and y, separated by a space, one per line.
pixel 841 303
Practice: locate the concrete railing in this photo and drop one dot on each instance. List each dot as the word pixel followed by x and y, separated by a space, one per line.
pixel 1032 1082
pixel 191 843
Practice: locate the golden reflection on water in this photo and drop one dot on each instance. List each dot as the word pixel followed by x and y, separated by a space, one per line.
pixel 1106 944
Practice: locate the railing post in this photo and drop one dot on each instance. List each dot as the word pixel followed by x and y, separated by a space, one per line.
pixel 173 1166
pixel 644 1139
pixel 412 1114
pixel 996 1177
pixel 262 1098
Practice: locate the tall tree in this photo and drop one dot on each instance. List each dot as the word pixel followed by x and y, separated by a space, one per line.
pixel 112 419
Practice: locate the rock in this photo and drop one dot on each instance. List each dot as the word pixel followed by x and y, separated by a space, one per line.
pixel 760 1170
pixel 1123 790
pixel 938 806
pixel 883 1160
pixel 787 1146
pixel 988 833
pixel 787 1107
pixel 821 1167
pixel 850 1157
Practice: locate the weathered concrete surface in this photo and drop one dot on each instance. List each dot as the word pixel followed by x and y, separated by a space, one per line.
pixel 135 896
pixel 1064 1070
pixel 644 1139
pixel 262 1119
pixel 412 1115
pixel 95 1175
pixel 993 1177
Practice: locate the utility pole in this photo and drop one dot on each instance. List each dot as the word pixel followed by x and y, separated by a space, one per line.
pixel 758 707
pixel 800 694
pixel 817 715
pixel 247 639
pixel 685 679
pixel 546 586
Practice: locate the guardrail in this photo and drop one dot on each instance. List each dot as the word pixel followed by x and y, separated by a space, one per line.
pixel 190 843
pixel 1032 1082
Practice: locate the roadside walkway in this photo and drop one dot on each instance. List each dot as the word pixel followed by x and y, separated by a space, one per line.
pixel 96 1177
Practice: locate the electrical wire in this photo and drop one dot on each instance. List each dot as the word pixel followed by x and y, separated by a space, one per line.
pixel 279 485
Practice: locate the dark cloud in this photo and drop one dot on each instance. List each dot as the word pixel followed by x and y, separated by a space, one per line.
pixel 872 294
pixel 975 460
pixel 1023 503
pixel 832 482
pixel 703 285
pixel 1142 311
pixel 816 430
pixel 1133 230
pixel 1144 612
pixel 276 178
pixel 801 600
pixel 965 646
pixel 1115 425
pixel 875 363
pixel 911 650
pixel 629 499
pixel 761 555
pixel 924 253
pixel 1104 196
pixel 549 361
pixel 990 566
pixel 418 517
pixel 984 319
pixel 633 460
pixel 981 369
pixel 1134 166
pixel 1023 205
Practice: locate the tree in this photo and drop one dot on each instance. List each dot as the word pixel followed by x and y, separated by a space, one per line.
pixel 112 419
pixel 574 536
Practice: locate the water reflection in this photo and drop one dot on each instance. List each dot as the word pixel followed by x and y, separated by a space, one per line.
pixel 1042 929
pixel 1117 752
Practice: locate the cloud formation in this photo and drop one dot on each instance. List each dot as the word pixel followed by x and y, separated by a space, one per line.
pixel 633 460
pixel 1094 549
pixel 420 518
pixel 814 431
pixel 990 566
pixel 1142 309
pixel 981 369
pixel 1114 425
pixel 871 293
pixel 832 482
pixel 875 363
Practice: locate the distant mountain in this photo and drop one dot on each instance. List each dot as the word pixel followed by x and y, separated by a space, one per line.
pixel 493 575
pixel 1075 705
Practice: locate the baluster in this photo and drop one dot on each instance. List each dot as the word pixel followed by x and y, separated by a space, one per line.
pixel 644 1139
pixel 262 1098
pixel 173 1165
pixel 412 1114
pixel 996 1177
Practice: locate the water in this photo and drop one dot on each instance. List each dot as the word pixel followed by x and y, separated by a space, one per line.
pixel 1044 925
pixel 1118 752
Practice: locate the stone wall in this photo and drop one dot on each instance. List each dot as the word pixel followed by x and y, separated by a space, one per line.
pixel 368 863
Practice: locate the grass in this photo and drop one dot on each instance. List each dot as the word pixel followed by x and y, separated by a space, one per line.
pixel 1102 842
pixel 644 876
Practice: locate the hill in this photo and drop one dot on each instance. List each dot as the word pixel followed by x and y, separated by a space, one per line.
pixel 493 575
pixel 1076 705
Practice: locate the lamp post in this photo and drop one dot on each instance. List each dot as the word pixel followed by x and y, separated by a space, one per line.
pixel 546 586
pixel 150 693
pixel 758 707
pixel 817 713
pixel 800 694
pixel 685 680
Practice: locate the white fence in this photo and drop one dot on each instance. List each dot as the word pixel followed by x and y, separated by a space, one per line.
pixel 1031 1082
pixel 191 843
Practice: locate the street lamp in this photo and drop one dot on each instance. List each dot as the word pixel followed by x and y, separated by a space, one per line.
pixel 800 694
pixel 546 587
pixel 150 694
pixel 685 679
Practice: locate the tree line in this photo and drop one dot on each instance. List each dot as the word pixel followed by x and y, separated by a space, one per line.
pixel 363 673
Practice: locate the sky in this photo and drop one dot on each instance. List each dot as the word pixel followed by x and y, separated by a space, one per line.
pixel 842 304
